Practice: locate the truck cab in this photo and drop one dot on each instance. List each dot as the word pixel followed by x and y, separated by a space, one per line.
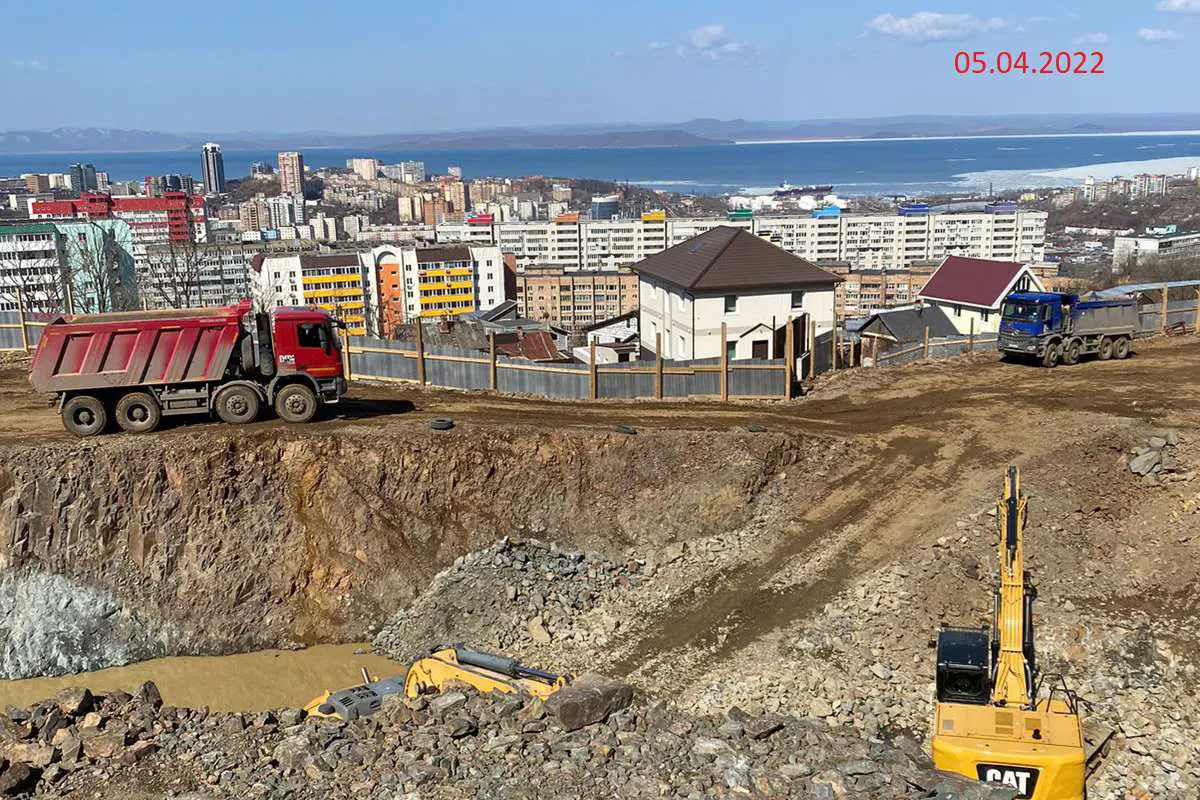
pixel 306 342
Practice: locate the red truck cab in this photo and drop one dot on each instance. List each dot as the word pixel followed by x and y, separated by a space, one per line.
pixel 137 367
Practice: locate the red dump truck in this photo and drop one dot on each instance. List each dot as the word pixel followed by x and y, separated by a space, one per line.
pixel 138 367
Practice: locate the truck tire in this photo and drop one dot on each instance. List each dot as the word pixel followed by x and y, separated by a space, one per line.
pixel 237 405
pixel 1070 354
pixel 1106 349
pixel 295 403
pixel 138 412
pixel 84 415
pixel 1050 359
pixel 1121 347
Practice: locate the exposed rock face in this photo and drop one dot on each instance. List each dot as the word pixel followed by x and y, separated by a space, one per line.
pixel 225 540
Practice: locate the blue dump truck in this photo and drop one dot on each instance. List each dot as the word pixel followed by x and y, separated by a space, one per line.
pixel 1055 328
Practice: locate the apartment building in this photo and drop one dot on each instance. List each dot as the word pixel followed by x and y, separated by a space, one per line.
pixel 174 218
pixel 874 241
pixel 1164 243
pixel 291 173
pixel 344 284
pixel 438 281
pixel 191 275
pixel 575 299
pixel 32 258
pixel 864 291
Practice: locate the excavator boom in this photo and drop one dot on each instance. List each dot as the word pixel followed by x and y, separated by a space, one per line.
pixel 989 723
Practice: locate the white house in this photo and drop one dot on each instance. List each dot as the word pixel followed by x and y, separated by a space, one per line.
pixel 971 290
pixel 728 275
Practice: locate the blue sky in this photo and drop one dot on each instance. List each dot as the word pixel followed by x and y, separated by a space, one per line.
pixel 370 66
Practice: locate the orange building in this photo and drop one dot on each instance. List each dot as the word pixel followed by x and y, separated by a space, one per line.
pixel 577 298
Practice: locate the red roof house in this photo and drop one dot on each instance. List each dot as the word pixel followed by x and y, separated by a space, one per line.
pixel 971 290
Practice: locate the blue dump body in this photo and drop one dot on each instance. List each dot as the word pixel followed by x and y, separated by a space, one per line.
pixel 1056 325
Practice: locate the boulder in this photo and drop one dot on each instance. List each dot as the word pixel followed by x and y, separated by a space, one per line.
pixel 588 699
pixel 1145 463
pixel 74 701
pixel 148 694
pixel 35 754
pixel 17 778
pixel 106 745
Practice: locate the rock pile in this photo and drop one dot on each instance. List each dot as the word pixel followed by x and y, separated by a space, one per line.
pixel 1154 457
pixel 510 597
pixel 453 745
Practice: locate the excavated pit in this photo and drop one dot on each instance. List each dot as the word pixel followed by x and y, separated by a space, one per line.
pixel 223 540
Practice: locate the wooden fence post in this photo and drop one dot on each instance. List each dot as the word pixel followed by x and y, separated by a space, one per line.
pixel 420 354
pixel 492 361
pixel 1163 327
pixel 21 318
pixel 874 351
pixel 346 354
pixel 926 353
pixel 789 357
pixel 592 370
pixel 812 348
pixel 658 367
pixel 833 346
pixel 971 338
pixel 724 363
pixel 1197 330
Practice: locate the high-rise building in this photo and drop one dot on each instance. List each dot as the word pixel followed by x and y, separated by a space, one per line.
pixel 365 168
pixel 174 218
pixel 83 177
pixel 454 172
pixel 406 171
pixel 577 298
pixel 261 168
pixel 214 169
pixel 344 284
pixel 291 173
pixel 36 184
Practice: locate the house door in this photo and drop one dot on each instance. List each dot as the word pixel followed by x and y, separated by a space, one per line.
pixel 759 348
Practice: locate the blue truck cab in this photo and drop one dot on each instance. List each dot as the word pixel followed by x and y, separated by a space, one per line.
pixel 1058 327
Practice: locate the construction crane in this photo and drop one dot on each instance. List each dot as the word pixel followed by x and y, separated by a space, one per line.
pixel 447 665
pixel 992 723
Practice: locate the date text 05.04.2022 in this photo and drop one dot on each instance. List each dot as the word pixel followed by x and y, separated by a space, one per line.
pixel 1045 62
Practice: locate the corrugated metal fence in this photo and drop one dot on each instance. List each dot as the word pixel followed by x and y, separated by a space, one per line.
pixel 455 368
pixel 18 331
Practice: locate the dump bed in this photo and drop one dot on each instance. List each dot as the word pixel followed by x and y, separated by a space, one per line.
pixel 136 348
pixel 1118 316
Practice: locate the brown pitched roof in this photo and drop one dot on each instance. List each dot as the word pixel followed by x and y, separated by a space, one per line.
pixel 972 281
pixel 332 260
pixel 731 259
pixel 433 255
pixel 533 345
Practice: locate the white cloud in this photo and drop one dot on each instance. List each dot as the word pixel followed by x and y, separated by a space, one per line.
pixel 710 42
pixel 31 65
pixel 933 26
pixel 1179 6
pixel 1092 38
pixel 1158 35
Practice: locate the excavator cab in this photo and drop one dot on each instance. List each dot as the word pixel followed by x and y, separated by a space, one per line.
pixel 964 673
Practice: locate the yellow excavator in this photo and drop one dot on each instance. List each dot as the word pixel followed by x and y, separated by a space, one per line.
pixel 447 666
pixel 992 722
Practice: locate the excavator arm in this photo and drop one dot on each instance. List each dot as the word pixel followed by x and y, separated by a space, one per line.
pixel 1013 681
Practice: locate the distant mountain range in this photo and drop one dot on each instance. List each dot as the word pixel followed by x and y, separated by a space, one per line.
pixel 681 134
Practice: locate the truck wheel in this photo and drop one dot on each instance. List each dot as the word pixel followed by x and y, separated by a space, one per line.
pixel 1070 356
pixel 1050 359
pixel 1121 348
pixel 84 415
pixel 1106 349
pixel 237 405
pixel 296 403
pixel 138 412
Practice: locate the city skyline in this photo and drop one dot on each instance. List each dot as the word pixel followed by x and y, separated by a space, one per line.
pixel 544 63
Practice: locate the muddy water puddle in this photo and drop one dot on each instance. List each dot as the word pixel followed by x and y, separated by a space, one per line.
pixel 243 682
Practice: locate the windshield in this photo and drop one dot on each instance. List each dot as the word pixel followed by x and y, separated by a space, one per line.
pixel 1024 312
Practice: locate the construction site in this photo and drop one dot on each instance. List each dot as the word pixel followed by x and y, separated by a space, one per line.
pixel 769 579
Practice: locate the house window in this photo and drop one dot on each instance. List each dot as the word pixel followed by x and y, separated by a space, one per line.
pixel 730 303
pixel 731 350
pixel 759 349
pixel 797 300
pixel 985 315
pixel 958 311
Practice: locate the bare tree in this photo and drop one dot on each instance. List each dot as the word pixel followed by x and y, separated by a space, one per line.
pixel 171 275
pixel 97 269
